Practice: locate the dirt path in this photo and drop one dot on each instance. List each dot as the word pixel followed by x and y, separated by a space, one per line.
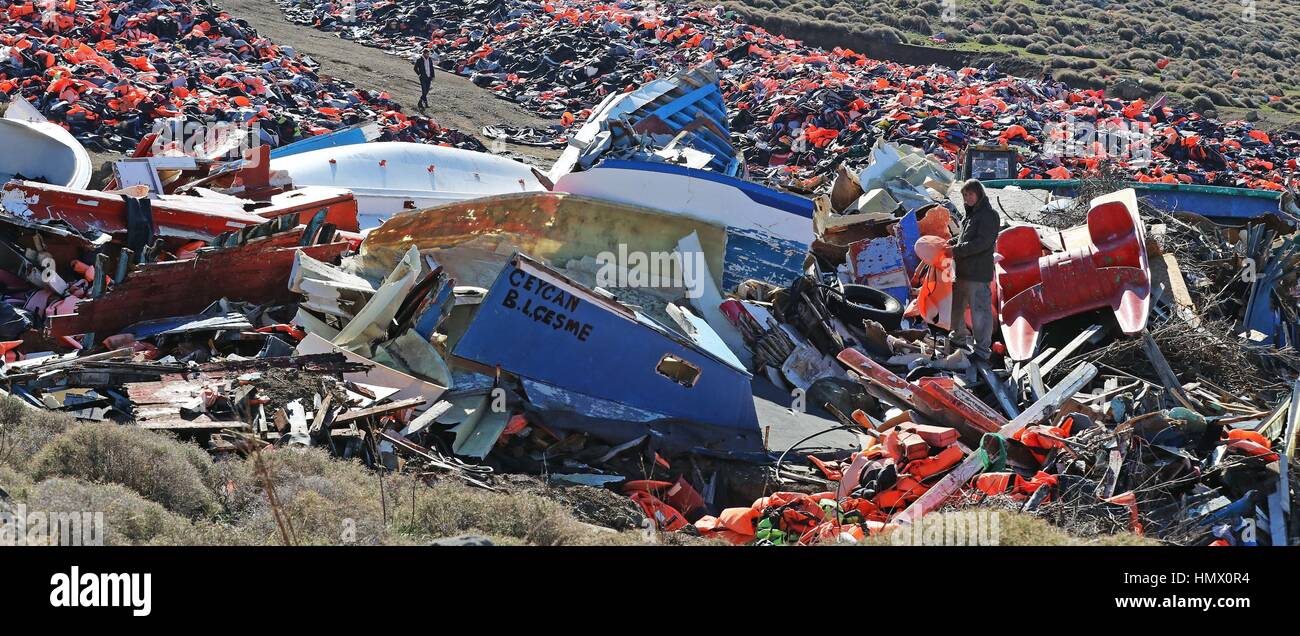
pixel 454 101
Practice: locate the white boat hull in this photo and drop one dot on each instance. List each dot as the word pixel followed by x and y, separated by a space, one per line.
pixel 389 177
pixel 39 150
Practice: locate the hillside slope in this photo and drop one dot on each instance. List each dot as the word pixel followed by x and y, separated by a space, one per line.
pixel 1235 56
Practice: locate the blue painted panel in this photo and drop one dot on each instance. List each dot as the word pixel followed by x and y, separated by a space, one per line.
pixel 909 230
pixel 345 137
pixel 535 324
pixel 762 256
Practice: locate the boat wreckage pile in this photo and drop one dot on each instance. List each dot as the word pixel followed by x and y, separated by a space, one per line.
pixel 107 71
pixel 797 112
pixel 625 320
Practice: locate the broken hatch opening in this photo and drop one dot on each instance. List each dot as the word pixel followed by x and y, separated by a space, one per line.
pixel 678 370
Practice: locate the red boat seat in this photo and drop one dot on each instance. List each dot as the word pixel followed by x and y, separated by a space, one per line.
pixel 1020 249
pixel 1111 228
pixel 1109 271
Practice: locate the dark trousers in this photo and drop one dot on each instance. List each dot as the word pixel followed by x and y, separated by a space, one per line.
pixel 425 83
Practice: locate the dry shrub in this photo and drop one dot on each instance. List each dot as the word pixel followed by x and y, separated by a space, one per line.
pixel 177 475
pixel 14 483
pixel 328 501
pixel 129 519
pixel 25 430
pixel 451 509
pixel 324 500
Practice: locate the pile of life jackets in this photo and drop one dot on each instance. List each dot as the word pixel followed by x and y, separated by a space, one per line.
pixel 107 70
pixel 874 485
pixel 798 111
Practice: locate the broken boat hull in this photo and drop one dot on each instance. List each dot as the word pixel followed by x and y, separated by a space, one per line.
pixel 566 339
pixel 686 112
pixel 1213 202
pixel 768 232
pixel 176 216
pixel 47 152
pixel 392 177
pixel 473 240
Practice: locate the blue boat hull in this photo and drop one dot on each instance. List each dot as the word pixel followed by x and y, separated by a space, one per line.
pixel 1213 202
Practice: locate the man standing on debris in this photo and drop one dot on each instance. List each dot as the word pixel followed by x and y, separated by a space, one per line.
pixel 424 66
pixel 972 253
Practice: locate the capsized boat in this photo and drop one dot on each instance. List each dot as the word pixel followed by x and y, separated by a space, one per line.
pixel 390 177
pixel 39 150
pixel 768 231
pixel 1217 203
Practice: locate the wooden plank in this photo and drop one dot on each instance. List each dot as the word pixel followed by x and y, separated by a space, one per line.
pixel 202 424
pixel 1049 403
pixel 1167 377
pixel 1036 387
pixel 1182 298
pixel 1115 462
pixel 1292 421
pixel 382 409
pixel 35 368
pixel 938 493
pixel 1279 504
pixel 1038 359
pixel 897 388
pixel 324 417
pixel 1277 513
pixel 1067 350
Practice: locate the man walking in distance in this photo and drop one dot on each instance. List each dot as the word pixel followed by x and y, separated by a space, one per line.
pixel 424 69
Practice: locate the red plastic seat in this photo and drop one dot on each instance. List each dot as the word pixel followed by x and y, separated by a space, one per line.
pixel 1109 271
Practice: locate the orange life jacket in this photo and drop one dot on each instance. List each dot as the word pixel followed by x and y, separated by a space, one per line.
pixel 930 466
pixel 664 516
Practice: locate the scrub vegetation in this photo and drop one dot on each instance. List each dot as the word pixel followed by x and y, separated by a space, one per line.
pixel 156 490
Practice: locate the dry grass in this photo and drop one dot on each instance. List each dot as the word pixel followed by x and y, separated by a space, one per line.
pixel 25 430
pixel 129 519
pixel 176 475
pixel 1011 529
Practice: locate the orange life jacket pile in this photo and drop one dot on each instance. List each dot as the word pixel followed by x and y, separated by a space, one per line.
pixel 796 109
pixel 874 485
pixel 107 70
